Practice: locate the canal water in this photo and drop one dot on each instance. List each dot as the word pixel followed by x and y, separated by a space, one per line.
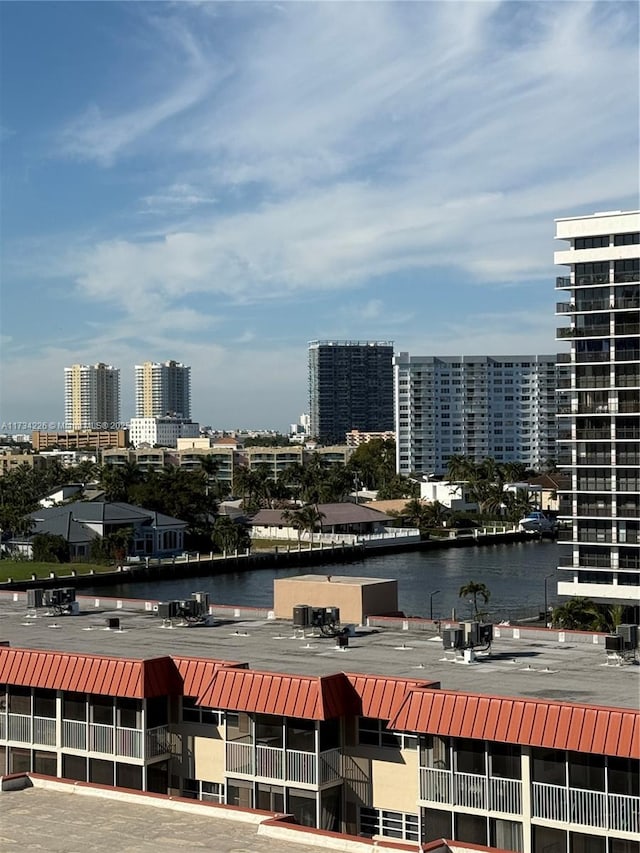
pixel 514 574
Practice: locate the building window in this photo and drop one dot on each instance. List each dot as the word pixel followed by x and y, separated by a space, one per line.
pixel 436 824
pixel 505 761
pixel 549 766
pixel 192 713
pixel 506 835
pixel 74 767
pixel 435 753
pixel 389 824
pixel 269 797
pixel 626 239
pixel 240 793
pixel 129 776
pixel 582 843
pixel 471 828
pixel 100 772
pixel 470 757
pixel 592 242
pixel 302 805
pixel 373 732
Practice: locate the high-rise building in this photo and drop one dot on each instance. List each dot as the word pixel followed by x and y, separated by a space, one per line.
pixel 92 397
pixel 163 388
pixel 350 387
pixel 599 407
pixel 475 406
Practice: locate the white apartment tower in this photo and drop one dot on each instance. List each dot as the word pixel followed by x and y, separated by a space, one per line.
pixel 599 406
pixel 475 406
pixel 92 396
pixel 163 389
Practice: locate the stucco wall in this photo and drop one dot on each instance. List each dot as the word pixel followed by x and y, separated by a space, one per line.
pixel 355 599
pixel 209 759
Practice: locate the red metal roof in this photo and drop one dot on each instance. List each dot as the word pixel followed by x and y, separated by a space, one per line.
pixel 382 696
pixel 197 673
pixel 134 679
pixel 303 696
pixel 529 722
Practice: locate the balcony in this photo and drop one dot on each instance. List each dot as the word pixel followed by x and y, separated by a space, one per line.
pixel 115 740
pixel 627 432
pixel 33 730
pixel 627 302
pixel 591 357
pixel 588 280
pixel 291 765
pixel 471 790
pixel 590 561
pixel 617 812
pixel 626 329
pixel 584 332
pixel 598 434
pixel 563 281
pixel 628 355
pixel 626 277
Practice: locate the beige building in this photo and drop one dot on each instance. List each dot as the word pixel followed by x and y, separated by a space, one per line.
pixel 85 439
pixel 357 598
pixel 163 388
pixel 92 397
pixel 10 459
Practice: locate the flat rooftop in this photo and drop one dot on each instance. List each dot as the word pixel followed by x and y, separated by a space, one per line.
pixel 536 666
pixel 60 822
pixel 349 580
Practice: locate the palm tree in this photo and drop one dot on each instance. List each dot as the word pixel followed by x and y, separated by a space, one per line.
pixel 310 516
pixel 415 513
pixel 579 614
pixel 436 514
pixel 475 590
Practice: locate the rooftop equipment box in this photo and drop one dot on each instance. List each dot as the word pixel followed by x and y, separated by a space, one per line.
pixel 356 598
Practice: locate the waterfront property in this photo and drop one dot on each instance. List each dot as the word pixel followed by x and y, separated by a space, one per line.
pixel 80 523
pixel 599 409
pixel 387 737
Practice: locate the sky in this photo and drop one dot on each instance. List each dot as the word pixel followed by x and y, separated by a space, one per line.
pixel 221 183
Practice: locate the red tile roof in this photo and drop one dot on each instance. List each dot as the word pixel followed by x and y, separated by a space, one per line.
pixel 529 722
pixel 302 696
pixel 382 696
pixel 134 679
pixel 197 673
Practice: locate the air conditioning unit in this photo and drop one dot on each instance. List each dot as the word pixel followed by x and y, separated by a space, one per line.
pixel 302 615
pixel 629 634
pixel 168 609
pixel 453 638
pixel 203 599
pixel 35 597
pixel 613 643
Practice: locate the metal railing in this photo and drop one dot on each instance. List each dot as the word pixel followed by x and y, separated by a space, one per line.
pixel 74 734
pixel 240 758
pixel 301 767
pixel 471 790
pixel 619 812
pixel 129 742
pixel 44 731
pixel 330 766
pixel 158 741
pixel 101 738
pixel 270 762
pixel 20 728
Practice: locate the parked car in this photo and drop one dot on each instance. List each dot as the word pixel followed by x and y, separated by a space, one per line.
pixel 537 522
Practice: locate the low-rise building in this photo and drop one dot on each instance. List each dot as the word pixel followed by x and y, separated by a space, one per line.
pixel 83 439
pixel 161 432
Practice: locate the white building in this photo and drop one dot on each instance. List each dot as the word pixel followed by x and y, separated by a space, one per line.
pixel 475 406
pixel 455 496
pixel 599 408
pixel 92 397
pixel 161 432
pixel 163 388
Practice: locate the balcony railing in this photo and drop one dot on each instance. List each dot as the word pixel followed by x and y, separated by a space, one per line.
pixel 471 790
pixel 595 278
pixel 101 738
pixel 627 302
pixel 584 332
pixel 74 735
pixel 626 329
pixel 628 355
pixel 26 729
pixel 627 432
pixel 626 277
pixel 291 765
pixel 158 741
pixel 562 281
pixel 617 812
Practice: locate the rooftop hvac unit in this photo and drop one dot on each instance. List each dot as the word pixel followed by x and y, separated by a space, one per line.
pixel 342 641
pixel 629 634
pixel 453 638
pixel 113 623
pixel 302 616
pixel 613 643
pixel 331 615
pixel 485 633
pixel 34 597
pixel 189 608
pixel 64 595
pixel 168 609
pixel 471 634
pixel 203 600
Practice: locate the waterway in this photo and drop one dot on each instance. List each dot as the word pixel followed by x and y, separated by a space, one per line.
pixel 514 573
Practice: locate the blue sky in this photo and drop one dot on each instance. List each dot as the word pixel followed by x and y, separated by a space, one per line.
pixel 220 183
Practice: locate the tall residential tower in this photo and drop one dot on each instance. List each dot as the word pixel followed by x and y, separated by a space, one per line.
pixel 92 397
pixel 476 406
pixel 350 387
pixel 599 409
pixel 163 389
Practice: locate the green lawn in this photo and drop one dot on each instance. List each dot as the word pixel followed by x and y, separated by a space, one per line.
pixel 18 570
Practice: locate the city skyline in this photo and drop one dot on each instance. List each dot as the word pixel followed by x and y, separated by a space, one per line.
pixel 240 179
